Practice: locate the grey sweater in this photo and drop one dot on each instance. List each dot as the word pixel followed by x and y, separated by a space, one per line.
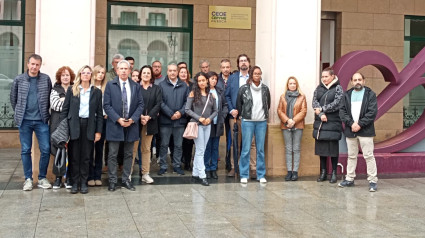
pixel 195 110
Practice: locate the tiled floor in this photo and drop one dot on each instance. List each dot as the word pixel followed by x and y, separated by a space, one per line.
pixel 174 207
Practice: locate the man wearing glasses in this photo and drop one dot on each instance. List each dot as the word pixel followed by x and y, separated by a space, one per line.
pixel 234 82
pixel 157 69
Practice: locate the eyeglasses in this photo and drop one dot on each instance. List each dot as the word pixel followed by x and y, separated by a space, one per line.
pixel 87 73
pixel 257 74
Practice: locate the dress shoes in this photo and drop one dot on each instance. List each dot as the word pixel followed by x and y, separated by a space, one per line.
pixel 111 187
pixel 74 188
pixel 214 174
pixel 128 185
pixel 204 182
pixel 231 173
pixel 84 189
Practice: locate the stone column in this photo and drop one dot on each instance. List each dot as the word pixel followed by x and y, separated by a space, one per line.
pixel 288 44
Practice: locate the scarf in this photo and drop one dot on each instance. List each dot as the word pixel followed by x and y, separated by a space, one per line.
pixel 291 98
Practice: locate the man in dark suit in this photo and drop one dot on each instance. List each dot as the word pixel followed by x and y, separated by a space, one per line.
pixel 123 103
pixel 235 81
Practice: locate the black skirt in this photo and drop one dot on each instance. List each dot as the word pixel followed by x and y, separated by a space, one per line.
pixel 327 148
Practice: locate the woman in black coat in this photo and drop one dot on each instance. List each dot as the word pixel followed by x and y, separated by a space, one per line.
pixel 217 128
pixel 83 109
pixel 152 97
pixel 327 125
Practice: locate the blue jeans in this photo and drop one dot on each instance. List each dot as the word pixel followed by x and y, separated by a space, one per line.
pixel 200 145
pixel 211 154
pixel 41 129
pixel 292 145
pixel 249 129
pixel 166 133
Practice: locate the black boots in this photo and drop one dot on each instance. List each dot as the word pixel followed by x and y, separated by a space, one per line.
pixel 323 175
pixel 288 176
pixel 333 177
pixel 214 174
pixel 208 173
pixel 294 176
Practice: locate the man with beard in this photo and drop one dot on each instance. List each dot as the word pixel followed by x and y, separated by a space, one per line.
pixel 358 112
pixel 236 81
pixel 157 69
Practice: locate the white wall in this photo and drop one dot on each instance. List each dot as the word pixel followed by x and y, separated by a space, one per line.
pixel 65 34
pixel 288 44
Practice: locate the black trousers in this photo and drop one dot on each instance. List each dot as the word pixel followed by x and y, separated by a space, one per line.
pixel 80 153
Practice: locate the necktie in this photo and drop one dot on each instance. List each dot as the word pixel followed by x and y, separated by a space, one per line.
pixel 124 101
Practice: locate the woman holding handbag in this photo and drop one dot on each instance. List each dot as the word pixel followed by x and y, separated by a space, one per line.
pixel 202 108
pixel 292 110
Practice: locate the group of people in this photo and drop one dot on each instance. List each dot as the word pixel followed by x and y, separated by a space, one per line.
pixel 124 113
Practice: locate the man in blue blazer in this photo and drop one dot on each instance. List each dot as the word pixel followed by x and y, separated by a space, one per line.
pixel 234 82
pixel 123 103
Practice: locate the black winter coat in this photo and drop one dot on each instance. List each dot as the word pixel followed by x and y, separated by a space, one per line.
pixel 329 100
pixel 368 112
pixel 173 99
pixel 222 113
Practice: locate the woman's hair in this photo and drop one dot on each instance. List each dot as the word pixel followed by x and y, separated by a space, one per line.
pixel 211 74
pixel 296 82
pixel 197 95
pixel 61 70
pixel 140 74
pixel 251 73
pixel 188 73
pixel 138 78
pixel 96 70
pixel 77 82
pixel 330 70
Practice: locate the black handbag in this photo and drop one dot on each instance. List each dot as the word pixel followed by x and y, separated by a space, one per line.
pixel 59 165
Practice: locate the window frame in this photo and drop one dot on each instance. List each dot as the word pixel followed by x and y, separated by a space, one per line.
pixel 20 23
pixel 188 29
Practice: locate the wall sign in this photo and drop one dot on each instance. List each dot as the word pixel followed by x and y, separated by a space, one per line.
pixel 229 17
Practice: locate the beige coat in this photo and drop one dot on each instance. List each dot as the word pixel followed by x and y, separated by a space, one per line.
pixel 300 111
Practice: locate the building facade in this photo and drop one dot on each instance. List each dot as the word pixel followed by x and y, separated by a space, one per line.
pixel 287 38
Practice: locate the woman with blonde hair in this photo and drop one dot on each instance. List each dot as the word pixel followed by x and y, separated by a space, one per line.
pixel 292 110
pixel 95 166
pixel 83 109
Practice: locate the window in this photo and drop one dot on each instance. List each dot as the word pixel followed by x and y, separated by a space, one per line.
pixel 150 32
pixel 414 42
pixel 11 54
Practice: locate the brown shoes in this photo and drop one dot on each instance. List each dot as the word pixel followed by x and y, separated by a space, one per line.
pixel 231 173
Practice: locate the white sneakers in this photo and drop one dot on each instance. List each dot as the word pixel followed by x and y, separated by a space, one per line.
pixel 146 178
pixel 44 183
pixel 245 180
pixel 27 185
